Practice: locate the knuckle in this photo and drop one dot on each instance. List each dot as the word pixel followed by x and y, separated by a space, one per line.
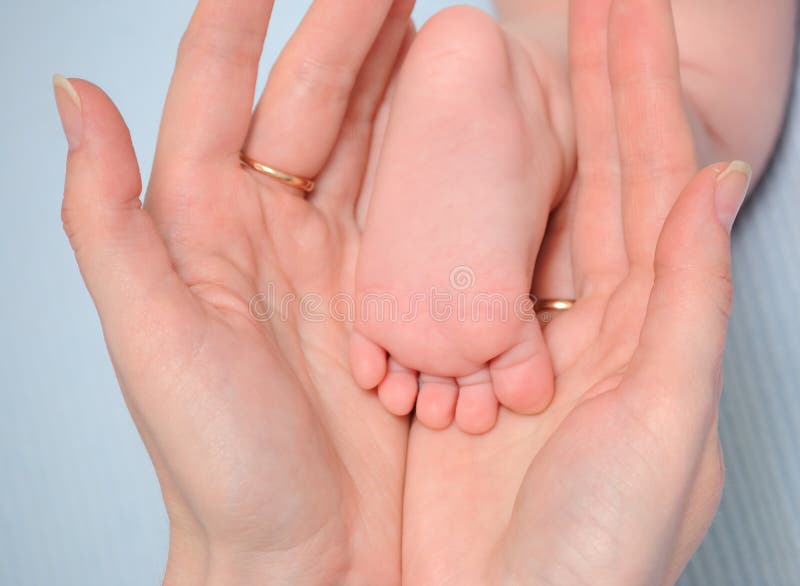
pixel 647 165
pixel 712 476
pixel 717 483
pixel 69 222
pixel 329 81
pixel 214 43
pixel 725 293
pixel 690 285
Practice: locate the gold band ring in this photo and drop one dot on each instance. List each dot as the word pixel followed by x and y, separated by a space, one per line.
pixel 291 180
pixel 553 305
pixel 547 309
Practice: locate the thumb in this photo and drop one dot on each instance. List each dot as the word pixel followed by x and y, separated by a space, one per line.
pixel 671 391
pixel 679 360
pixel 122 258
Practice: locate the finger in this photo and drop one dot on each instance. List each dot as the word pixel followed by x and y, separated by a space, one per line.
pixel 210 100
pixel 598 245
pixel 675 374
pixel 655 142
pixel 667 405
pixel 121 259
pixel 121 256
pixel 553 277
pixel 345 172
pixel 300 114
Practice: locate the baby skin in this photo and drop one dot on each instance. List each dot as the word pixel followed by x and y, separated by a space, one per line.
pixel 478 150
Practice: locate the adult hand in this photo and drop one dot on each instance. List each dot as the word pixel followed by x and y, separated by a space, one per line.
pixel 618 481
pixel 275 467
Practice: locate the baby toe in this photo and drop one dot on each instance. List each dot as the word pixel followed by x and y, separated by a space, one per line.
pixel 436 404
pixel 477 407
pixel 398 391
pixel 367 361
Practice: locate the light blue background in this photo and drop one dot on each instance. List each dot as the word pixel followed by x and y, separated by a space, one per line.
pixel 79 502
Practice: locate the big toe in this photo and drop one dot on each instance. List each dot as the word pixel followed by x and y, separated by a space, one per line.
pixel 522 377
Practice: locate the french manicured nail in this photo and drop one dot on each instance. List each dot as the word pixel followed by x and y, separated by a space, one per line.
pixel 69 109
pixel 732 187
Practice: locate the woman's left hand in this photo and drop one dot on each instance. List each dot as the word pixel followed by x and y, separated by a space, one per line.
pixel 618 481
pixel 274 466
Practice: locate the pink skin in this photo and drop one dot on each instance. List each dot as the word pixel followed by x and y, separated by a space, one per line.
pixel 733 54
pixel 618 481
pixel 456 187
pixel 227 406
pixel 459 190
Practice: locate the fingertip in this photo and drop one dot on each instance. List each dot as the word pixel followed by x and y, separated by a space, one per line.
pixel 733 185
pixel 687 225
pixel 693 258
pixel 68 103
pixel 102 175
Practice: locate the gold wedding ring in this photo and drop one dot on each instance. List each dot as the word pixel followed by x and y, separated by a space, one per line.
pixel 291 180
pixel 553 305
pixel 547 309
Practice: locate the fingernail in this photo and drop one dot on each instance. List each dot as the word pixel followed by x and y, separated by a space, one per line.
pixel 69 109
pixel 732 186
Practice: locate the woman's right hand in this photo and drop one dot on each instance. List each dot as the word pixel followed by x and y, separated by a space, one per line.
pixel 618 481
pixel 274 465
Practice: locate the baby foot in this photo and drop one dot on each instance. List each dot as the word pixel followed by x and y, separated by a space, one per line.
pixel 469 171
